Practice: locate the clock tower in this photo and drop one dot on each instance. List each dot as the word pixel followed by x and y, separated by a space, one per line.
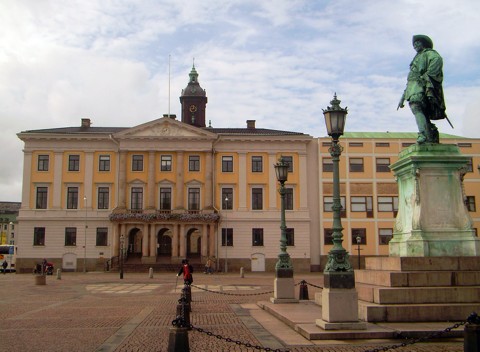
pixel 194 101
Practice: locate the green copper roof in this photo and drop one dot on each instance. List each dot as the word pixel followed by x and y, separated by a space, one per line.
pixel 412 135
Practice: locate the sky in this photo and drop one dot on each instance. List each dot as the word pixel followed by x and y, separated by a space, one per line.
pixel 122 63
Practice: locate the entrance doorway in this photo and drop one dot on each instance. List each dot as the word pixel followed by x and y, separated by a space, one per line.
pixel 164 243
pixel 194 243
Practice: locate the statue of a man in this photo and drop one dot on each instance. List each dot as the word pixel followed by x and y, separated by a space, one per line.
pixel 424 91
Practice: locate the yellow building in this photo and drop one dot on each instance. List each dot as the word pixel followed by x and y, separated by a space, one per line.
pixel 168 189
pixel 369 193
pixel 165 190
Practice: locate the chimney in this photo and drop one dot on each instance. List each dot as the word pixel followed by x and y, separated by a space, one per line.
pixel 86 123
pixel 251 124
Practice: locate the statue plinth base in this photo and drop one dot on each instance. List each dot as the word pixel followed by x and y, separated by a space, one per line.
pixel 432 218
pixel 284 287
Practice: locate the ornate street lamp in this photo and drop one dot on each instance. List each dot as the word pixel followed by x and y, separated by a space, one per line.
pixel 339 297
pixel 335 117
pixel 122 242
pixel 284 263
pixel 359 241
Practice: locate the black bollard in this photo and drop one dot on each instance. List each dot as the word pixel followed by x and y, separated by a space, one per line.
pixel 178 339
pixel 471 334
pixel 183 309
pixel 303 290
pixel 188 293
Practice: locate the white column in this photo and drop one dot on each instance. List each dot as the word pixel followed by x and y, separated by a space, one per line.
pixel 153 240
pixel 242 182
pixel 145 240
pixel 27 171
pixel 115 239
pixel 122 176
pixel 57 180
pixel 88 182
pixel 175 241
pixel 208 202
pixel 302 185
pixel 272 181
pixel 180 180
pixel 182 239
pixel 151 181
pixel 211 239
pixel 204 241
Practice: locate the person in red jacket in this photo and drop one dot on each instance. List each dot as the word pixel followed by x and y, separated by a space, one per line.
pixel 187 271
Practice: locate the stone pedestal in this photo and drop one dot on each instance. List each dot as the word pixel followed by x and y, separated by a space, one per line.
pixel 340 310
pixel 339 303
pixel 432 217
pixel 284 287
pixel 284 291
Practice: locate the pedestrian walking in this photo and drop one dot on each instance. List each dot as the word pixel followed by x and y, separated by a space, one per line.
pixel 187 271
pixel 4 266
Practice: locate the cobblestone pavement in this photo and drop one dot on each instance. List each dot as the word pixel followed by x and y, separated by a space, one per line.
pixel 100 312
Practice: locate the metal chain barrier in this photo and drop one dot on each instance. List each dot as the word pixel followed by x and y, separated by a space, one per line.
pixel 232 294
pixel 419 339
pixel 237 294
pixel 308 283
pixel 180 321
pixel 238 343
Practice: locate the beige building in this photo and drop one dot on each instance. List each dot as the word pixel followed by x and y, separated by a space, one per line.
pixel 171 189
pixel 174 189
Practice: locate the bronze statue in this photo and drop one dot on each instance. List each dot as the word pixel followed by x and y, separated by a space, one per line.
pixel 424 91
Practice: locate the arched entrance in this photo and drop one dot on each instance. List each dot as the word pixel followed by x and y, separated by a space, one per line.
pixel 164 243
pixel 134 243
pixel 194 243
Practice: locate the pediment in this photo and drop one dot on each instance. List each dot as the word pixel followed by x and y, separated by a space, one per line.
pixel 136 181
pixel 164 127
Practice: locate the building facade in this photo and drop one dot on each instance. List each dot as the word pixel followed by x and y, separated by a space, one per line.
pixel 369 192
pixel 168 189
pixel 163 191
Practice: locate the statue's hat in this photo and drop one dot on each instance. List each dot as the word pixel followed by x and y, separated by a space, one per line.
pixel 423 38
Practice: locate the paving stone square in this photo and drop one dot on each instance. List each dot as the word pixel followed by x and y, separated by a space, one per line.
pixel 100 312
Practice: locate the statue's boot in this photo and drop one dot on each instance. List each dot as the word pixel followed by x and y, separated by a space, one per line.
pixel 433 136
pixel 421 138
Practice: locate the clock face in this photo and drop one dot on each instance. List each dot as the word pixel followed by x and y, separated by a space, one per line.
pixel 193 108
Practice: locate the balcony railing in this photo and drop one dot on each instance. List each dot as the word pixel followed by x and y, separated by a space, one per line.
pixel 176 215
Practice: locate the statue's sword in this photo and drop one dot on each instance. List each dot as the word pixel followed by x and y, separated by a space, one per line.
pixel 449 122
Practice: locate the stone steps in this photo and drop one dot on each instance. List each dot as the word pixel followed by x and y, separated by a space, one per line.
pixel 373 312
pixel 418 295
pixel 418 279
pixel 399 289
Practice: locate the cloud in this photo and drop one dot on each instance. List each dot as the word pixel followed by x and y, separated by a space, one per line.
pixel 278 62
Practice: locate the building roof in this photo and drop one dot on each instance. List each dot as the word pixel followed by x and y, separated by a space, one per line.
pixel 412 135
pixel 109 130
pixel 76 130
pixel 251 131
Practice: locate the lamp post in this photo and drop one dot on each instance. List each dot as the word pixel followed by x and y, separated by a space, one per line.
pixel 359 240
pixel 226 236
pixel 85 244
pixel 284 263
pixel 339 297
pixel 335 117
pixel 283 287
pixel 122 241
